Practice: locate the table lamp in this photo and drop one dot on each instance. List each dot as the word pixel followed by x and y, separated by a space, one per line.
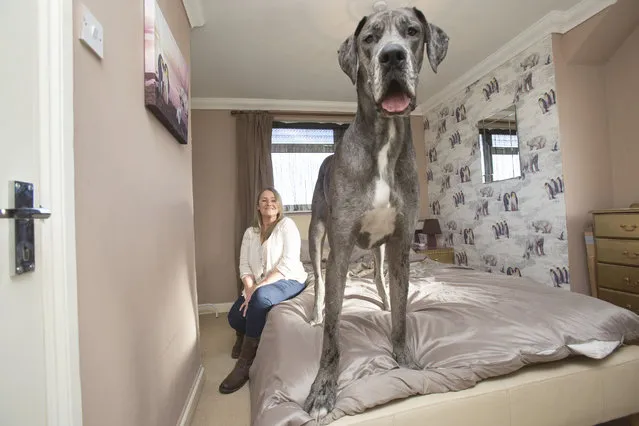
pixel 431 229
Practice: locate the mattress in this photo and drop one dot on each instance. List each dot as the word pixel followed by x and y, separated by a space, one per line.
pixel 579 392
pixel 465 328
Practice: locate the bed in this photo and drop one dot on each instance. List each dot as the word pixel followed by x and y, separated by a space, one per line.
pixel 493 350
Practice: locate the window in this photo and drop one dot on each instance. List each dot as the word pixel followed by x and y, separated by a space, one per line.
pixel 505 156
pixel 297 152
pixel 499 155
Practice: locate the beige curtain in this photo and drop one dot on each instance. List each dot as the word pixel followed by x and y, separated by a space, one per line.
pixel 255 169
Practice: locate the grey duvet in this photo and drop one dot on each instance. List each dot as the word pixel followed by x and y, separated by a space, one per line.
pixel 463 326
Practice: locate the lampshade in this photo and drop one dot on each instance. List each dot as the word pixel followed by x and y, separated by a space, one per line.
pixel 431 227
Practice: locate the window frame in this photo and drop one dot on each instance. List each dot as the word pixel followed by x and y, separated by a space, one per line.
pixel 305 148
pixel 510 151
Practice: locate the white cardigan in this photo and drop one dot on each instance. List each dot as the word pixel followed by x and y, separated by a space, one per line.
pixel 280 251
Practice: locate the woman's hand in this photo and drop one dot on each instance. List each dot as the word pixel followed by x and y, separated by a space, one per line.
pixel 248 292
pixel 249 288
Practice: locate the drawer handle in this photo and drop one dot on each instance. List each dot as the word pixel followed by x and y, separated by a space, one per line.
pixel 633 255
pixel 629 283
pixel 628 228
pixel 627 280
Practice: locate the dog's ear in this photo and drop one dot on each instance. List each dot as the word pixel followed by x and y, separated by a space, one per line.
pixel 347 53
pixel 436 41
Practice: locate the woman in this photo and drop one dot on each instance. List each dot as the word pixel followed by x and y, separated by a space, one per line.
pixel 271 272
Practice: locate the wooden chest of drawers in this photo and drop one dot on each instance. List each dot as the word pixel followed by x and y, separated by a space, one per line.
pixel 616 234
pixel 443 254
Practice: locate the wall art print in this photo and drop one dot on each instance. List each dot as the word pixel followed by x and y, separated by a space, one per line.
pixel 166 74
pixel 516 226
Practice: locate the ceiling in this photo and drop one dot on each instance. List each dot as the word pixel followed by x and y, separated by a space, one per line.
pixel 287 49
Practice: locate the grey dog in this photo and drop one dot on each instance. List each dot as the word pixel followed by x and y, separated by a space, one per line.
pixel 368 192
pixel 316 237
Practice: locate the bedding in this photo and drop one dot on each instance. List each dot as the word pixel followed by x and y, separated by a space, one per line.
pixel 359 257
pixel 463 326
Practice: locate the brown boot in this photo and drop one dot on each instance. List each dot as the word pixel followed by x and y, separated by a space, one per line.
pixel 240 374
pixel 237 347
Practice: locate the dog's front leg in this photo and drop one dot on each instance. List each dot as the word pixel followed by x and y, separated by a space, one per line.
pixel 380 279
pixel 323 393
pixel 317 233
pixel 398 249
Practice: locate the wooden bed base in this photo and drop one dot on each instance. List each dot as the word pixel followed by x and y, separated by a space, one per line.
pixel 577 391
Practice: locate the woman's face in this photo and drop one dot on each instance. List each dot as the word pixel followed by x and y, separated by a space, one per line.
pixel 267 205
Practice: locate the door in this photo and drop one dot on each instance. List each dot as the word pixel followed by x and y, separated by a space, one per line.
pixel 39 374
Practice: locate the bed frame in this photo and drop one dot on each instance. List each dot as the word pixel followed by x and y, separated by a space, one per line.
pixel 542 391
pixel 579 392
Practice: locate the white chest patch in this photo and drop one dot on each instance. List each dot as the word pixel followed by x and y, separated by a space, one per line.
pixel 381 196
pixel 379 223
pixel 380 220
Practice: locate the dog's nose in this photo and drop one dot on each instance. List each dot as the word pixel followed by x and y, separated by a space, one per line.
pixel 392 55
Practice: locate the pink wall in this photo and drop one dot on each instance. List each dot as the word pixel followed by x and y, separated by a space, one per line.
pixel 139 347
pixel 596 67
pixel 586 155
pixel 621 77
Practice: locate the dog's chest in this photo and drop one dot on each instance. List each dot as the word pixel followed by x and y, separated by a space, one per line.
pixel 379 220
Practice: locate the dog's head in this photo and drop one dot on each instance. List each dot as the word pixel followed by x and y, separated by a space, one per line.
pixel 383 57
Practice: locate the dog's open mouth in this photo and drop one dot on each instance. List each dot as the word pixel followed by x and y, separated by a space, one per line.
pixel 396 100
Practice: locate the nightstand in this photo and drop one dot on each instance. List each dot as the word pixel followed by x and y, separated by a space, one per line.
pixel 443 255
pixel 616 234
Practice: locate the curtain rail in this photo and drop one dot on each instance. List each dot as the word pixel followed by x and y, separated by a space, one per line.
pixel 296 113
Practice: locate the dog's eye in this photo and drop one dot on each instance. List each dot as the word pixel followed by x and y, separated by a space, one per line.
pixel 412 31
pixel 369 38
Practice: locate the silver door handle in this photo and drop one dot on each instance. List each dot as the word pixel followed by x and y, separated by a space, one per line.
pixel 25 213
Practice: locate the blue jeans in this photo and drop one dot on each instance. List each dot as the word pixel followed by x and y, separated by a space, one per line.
pixel 262 300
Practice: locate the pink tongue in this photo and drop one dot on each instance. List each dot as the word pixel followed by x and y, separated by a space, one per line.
pixel 396 103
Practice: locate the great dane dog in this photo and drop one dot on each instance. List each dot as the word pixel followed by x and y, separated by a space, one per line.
pixel 369 189
pixel 316 238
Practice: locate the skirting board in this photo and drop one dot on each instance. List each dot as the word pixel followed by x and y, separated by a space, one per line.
pixel 214 308
pixel 191 401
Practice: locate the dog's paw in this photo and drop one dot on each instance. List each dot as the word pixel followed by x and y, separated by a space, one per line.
pixel 321 398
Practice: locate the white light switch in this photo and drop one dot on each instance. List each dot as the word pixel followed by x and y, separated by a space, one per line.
pixel 91 33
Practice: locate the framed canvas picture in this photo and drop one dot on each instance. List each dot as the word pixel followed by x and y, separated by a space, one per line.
pixel 166 74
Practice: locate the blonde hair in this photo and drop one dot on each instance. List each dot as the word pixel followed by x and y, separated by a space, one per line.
pixel 257 219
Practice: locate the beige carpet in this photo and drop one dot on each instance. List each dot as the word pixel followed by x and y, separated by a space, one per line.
pixel 213 408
